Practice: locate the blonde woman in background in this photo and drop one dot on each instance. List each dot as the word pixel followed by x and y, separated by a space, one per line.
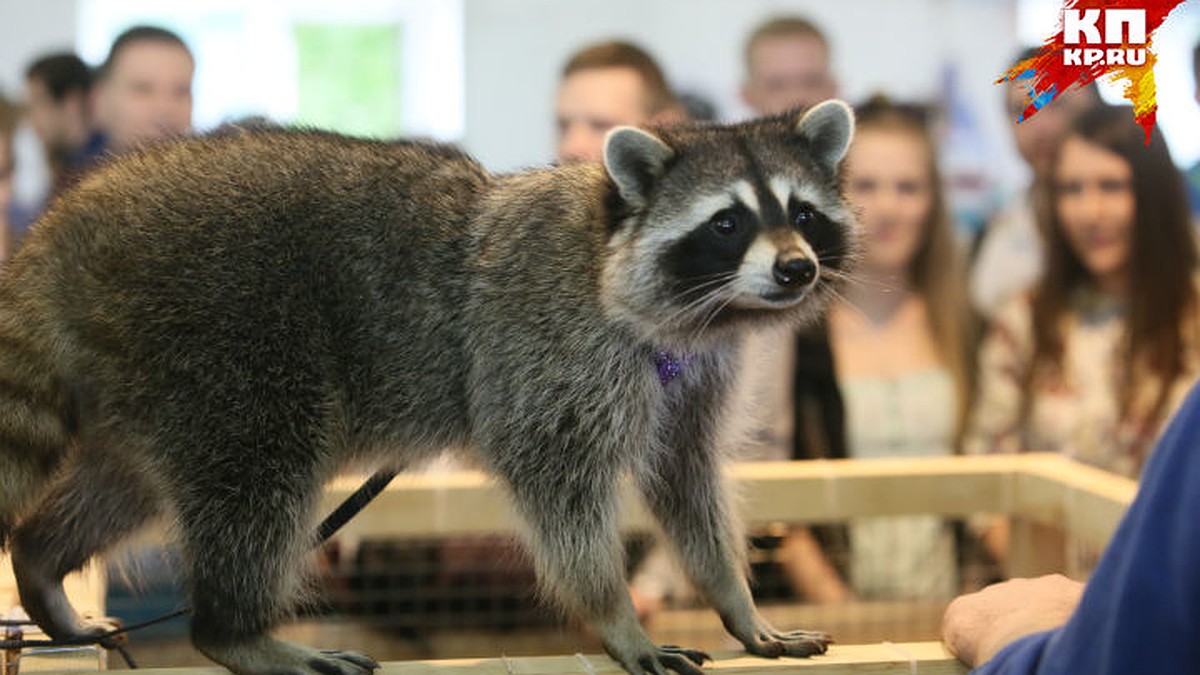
pixel 889 375
pixel 1093 359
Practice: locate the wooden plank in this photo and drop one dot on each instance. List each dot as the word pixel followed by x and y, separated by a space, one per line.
pixel 1057 496
pixel 1046 488
pixel 929 658
pixel 1091 502
pixel 463 503
pixel 833 490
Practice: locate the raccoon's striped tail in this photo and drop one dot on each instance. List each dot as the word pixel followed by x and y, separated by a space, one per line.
pixel 33 431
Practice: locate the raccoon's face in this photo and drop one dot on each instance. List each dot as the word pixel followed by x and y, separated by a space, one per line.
pixel 728 226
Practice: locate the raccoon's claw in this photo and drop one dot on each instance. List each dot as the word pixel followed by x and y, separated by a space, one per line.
pixel 677 659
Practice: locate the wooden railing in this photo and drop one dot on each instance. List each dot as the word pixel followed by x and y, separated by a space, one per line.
pixel 1037 491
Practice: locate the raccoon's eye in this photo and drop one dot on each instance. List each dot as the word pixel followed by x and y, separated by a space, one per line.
pixel 723 223
pixel 805 214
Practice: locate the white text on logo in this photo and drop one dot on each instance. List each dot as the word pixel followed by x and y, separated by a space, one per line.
pixel 1122 27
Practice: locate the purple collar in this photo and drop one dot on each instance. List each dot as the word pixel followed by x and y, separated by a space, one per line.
pixel 670 366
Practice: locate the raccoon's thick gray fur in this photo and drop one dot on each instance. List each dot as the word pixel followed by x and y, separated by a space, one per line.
pixel 208 330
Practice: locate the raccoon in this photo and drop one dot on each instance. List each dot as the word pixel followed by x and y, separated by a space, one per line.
pixel 208 330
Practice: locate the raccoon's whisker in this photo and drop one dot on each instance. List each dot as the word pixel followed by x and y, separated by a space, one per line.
pixel 835 275
pixel 840 297
pixel 847 278
pixel 827 262
pixel 709 281
pixel 697 306
pixel 713 314
pixel 711 288
pixel 851 279
pixel 703 290
pixel 834 272
pixel 858 310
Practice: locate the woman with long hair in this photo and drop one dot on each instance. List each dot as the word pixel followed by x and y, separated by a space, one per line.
pixel 1097 355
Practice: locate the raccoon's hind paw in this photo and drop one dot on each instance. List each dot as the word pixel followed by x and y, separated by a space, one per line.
pixel 91 627
pixel 803 643
pixel 87 630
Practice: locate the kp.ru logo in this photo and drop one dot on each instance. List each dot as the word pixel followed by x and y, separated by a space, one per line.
pixel 1098 38
pixel 1122 27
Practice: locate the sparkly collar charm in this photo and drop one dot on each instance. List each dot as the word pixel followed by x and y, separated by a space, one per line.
pixel 670 366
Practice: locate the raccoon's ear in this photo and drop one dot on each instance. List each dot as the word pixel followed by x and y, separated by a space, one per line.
pixel 635 159
pixel 827 128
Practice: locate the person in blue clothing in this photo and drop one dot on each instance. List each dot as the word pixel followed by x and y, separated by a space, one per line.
pixel 1139 612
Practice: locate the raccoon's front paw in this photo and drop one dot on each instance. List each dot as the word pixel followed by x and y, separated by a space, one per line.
pixel 762 639
pixel 662 660
pixel 263 655
pixel 771 643
pixel 628 645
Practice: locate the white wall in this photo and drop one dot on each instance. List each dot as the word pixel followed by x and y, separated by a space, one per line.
pixel 29 28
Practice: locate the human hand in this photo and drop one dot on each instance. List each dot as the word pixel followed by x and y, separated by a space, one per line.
pixel 978 625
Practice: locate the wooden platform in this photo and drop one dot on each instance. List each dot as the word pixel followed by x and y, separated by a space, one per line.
pixel 927 658
pixel 1036 490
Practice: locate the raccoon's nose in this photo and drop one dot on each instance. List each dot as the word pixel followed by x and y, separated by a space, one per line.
pixel 794 271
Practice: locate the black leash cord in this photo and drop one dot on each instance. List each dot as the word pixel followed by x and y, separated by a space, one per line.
pixel 332 523
pixel 354 503
pixel 93 639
